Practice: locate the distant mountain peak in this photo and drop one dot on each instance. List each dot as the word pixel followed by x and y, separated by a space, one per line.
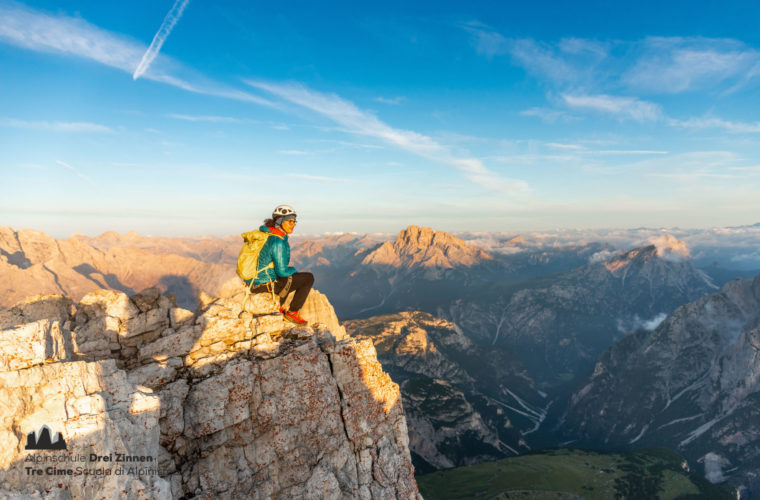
pixel 665 247
pixel 415 238
pixel 425 247
pixel 516 241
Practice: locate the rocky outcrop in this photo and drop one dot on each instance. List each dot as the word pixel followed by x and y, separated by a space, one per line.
pixel 692 384
pixel 464 403
pixel 229 401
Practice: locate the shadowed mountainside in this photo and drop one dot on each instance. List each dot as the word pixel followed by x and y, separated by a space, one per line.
pixel 464 403
pixel 692 384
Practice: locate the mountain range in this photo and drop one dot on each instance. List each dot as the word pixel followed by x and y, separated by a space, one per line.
pixel 559 324
pixel 691 384
pixel 498 350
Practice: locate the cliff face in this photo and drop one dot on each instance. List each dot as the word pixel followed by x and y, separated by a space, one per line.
pixel 155 401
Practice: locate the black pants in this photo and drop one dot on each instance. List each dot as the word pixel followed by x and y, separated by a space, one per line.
pixel 301 283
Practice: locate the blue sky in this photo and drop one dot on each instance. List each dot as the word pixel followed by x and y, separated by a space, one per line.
pixel 187 118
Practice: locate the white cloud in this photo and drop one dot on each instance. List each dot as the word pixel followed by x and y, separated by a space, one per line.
pixel 579 46
pixel 675 64
pixel 541 60
pixel 357 121
pixel 656 64
pixel 205 118
pixel 623 107
pixel 158 40
pixel 548 115
pixel 702 123
pixel 573 147
pixel 391 100
pixel 55 126
pixel 628 152
pixel 670 248
pixel 603 256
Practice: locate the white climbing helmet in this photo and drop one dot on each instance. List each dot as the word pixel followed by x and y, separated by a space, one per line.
pixel 282 211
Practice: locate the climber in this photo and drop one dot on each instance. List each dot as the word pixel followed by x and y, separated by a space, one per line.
pixel 264 263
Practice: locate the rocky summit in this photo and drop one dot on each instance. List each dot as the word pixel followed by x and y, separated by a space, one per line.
pixel 229 401
pixel 426 248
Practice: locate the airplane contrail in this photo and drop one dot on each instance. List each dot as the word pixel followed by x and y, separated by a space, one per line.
pixel 75 171
pixel 166 27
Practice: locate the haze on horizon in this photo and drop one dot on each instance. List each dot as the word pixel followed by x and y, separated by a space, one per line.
pixel 478 117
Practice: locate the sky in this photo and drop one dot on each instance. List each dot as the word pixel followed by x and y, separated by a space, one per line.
pixel 183 117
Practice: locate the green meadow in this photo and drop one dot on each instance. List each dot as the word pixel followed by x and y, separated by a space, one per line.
pixel 572 474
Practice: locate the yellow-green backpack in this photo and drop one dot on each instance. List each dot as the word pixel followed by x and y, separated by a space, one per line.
pixel 248 260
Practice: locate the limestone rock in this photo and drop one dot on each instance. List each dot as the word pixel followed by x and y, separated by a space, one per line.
pixel 99 414
pixel 233 403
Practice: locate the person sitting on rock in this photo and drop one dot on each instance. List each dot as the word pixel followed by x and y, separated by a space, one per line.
pixel 275 272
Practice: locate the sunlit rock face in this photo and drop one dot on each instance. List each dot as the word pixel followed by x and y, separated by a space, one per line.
pixel 424 247
pixel 227 401
pixel 691 384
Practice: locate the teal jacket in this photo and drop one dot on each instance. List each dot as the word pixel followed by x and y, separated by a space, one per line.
pixel 277 250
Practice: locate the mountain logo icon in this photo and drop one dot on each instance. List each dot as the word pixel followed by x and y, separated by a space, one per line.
pixel 41 440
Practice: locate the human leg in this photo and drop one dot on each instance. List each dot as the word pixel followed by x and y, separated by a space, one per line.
pixel 300 283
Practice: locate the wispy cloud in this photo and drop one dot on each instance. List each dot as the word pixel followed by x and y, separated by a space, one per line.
pixel 158 40
pixel 655 64
pixel 485 40
pixel 572 147
pixel 75 171
pixel 549 115
pixel 43 32
pixel 85 127
pixel 672 65
pixel 542 60
pixel 319 178
pixel 628 152
pixel 357 121
pixel 391 100
pixel 205 118
pixel 622 107
pixel 688 167
pixel 730 126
